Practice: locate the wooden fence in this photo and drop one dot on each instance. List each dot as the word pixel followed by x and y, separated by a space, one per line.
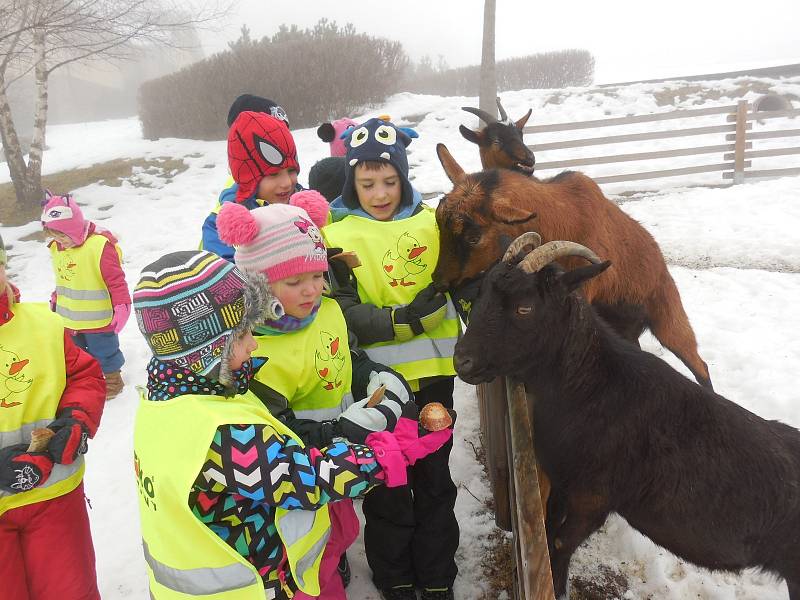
pixel 506 412
pixel 734 149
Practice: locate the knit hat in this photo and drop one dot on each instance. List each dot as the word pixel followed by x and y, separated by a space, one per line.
pixel 377 140
pixel 279 240
pixel 327 177
pixel 190 305
pixel 332 133
pixel 62 213
pixel 258 145
pixel 256 104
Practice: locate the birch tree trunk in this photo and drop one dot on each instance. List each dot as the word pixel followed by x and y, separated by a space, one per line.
pixel 488 91
pixel 11 145
pixel 34 171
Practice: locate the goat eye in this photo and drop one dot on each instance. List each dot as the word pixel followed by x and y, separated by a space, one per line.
pixel 473 240
pixel 524 310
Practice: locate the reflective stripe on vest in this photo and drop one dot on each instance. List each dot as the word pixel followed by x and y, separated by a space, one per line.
pixel 32 345
pixel 83 299
pixel 200 581
pixel 171 442
pixel 397 261
pixel 310 367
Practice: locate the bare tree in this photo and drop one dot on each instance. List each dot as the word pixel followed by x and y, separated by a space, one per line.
pixel 488 87
pixel 40 36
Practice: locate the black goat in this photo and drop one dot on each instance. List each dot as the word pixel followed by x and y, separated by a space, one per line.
pixel 619 430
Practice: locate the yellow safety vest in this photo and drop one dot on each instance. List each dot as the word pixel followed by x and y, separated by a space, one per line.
pixel 32 380
pixel 83 298
pixel 397 261
pixel 311 367
pixel 184 557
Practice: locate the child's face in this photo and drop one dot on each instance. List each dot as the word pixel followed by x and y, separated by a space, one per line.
pixel 242 347
pixel 62 238
pixel 278 187
pixel 299 294
pixel 379 191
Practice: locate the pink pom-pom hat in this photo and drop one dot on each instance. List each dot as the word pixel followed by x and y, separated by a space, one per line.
pixel 286 242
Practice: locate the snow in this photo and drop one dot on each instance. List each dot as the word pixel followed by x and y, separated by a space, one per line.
pixel 734 253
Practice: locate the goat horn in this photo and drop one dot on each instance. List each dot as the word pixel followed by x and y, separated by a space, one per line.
pixel 531 238
pixel 481 114
pixel 550 251
pixel 503 115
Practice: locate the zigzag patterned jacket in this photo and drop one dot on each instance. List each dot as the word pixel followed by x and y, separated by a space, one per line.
pixel 247 525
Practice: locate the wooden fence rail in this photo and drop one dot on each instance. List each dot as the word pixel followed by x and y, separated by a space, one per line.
pixel 736 154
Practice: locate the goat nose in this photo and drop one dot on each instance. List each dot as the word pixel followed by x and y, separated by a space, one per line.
pixel 463 364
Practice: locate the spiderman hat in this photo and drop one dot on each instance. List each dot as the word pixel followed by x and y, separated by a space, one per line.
pixel 258 145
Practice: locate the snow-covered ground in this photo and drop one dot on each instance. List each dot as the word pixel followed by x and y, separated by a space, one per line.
pixel 734 253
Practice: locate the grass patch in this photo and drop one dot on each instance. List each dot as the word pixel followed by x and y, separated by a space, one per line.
pixel 138 171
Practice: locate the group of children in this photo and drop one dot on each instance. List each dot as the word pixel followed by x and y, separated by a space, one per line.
pixel 291 356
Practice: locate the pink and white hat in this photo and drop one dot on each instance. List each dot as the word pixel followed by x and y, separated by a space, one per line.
pixel 62 213
pixel 280 240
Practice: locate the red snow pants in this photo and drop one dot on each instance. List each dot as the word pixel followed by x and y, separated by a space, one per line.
pixel 344 531
pixel 46 551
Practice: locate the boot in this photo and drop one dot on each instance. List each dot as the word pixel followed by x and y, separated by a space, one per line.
pixel 114 384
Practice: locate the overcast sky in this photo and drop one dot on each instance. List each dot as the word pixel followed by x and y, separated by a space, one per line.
pixel 629 39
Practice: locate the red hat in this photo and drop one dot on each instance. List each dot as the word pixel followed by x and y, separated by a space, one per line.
pixel 258 145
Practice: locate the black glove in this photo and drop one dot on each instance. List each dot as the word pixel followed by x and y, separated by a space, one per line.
pixel 21 470
pixel 425 313
pixel 464 296
pixel 70 439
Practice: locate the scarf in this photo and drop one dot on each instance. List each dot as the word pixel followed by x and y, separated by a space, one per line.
pixel 286 323
pixel 166 381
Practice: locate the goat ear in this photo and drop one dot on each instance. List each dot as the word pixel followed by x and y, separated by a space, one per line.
pixel 476 137
pixel 521 123
pixel 573 279
pixel 453 170
pixel 506 212
pixel 325 132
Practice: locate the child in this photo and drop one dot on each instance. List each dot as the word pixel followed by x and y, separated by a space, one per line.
pixel 331 132
pixel 263 161
pixel 91 293
pixel 212 462
pixel 404 322
pixel 50 383
pixel 310 361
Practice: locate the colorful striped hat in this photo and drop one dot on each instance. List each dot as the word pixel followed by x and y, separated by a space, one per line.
pixel 279 240
pixel 190 304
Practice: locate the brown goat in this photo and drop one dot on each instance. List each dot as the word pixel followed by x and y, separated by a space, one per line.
pixel 486 210
pixel 500 143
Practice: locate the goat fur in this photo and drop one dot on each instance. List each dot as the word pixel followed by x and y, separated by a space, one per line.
pixel 485 211
pixel 618 430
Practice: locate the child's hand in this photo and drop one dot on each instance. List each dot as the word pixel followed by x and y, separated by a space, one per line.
pixel 70 439
pixel 53 301
pixel 424 313
pixel 21 470
pixel 359 420
pixel 121 314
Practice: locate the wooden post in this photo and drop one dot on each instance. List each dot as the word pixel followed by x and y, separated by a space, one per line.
pixel 741 141
pixel 534 559
pixel 494 440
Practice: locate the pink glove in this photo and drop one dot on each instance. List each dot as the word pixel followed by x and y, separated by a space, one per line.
pixel 395 451
pixel 53 300
pixel 121 314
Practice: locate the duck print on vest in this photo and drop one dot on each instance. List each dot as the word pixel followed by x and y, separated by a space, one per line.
pixel 12 377
pixel 66 267
pixel 329 361
pixel 405 261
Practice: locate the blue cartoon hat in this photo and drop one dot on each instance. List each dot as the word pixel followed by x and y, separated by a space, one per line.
pixel 376 140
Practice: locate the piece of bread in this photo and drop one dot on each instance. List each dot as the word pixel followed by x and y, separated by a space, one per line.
pixel 376 396
pixel 434 417
pixel 39 439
